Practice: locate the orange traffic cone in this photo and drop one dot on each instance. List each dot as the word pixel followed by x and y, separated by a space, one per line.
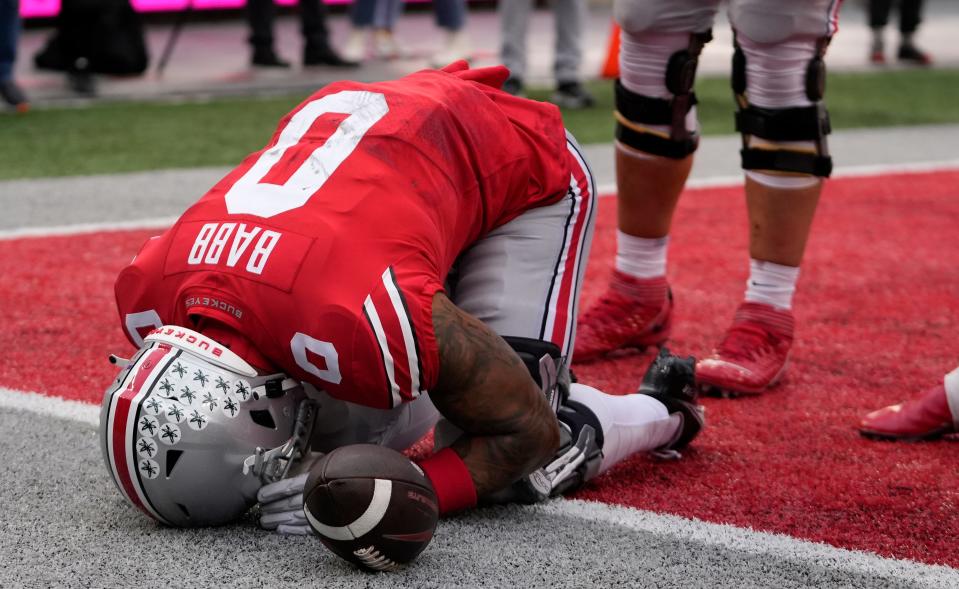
pixel 611 67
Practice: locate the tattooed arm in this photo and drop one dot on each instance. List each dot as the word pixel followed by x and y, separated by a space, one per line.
pixel 486 391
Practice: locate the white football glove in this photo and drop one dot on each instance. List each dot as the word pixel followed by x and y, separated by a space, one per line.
pixel 281 503
pixel 281 507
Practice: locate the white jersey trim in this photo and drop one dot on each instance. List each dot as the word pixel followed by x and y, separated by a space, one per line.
pixel 406 326
pixel 374 318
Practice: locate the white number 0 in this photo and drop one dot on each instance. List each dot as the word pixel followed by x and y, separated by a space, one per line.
pixel 249 196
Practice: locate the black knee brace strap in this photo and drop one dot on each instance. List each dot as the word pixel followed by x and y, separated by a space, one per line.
pixel 805 123
pixel 576 415
pixel 634 110
pixel 547 366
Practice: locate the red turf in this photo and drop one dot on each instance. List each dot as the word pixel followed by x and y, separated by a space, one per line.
pixel 876 314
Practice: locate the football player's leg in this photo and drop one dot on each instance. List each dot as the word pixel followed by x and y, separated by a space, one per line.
pixel 656 135
pixel 663 417
pixel 523 280
pixel 934 413
pixel 778 78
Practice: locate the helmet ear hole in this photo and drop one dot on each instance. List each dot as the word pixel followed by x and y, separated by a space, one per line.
pixel 172 456
pixel 263 418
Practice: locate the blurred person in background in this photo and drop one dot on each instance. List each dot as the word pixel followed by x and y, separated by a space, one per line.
pixel 316 50
pixel 9 33
pixel 778 80
pixel 570 17
pixel 910 15
pixel 95 37
pixel 373 20
pixel 451 19
pixel 931 415
pixel 379 17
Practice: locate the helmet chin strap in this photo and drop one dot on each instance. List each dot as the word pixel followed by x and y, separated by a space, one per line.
pixel 274 464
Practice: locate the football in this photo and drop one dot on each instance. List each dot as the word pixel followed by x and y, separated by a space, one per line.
pixel 371 506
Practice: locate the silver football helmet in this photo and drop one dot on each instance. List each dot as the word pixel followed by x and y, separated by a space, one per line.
pixel 190 431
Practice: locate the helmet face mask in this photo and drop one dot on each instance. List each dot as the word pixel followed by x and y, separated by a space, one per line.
pixel 179 421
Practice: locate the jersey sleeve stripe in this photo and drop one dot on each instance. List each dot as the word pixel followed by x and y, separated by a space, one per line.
pixel 406 326
pixel 369 310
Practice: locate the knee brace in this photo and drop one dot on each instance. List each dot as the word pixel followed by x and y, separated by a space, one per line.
pixel 637 116
pixel 779 129
pixel 547 366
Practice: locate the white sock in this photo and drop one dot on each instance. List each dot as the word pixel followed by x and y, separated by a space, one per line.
pixel 640 257
pixel 771 284
pixel 631 423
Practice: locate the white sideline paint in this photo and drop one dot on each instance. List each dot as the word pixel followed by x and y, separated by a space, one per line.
pixel 759 543
pixel 82 228
pixel 722 535
pixel 86 413
pixel 609 188
pixel 603 190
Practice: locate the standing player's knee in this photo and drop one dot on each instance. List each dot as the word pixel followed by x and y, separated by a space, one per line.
pixel 779 90
pixel 655 101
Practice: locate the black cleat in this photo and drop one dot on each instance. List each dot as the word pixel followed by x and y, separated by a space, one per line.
pixel 264 57
pixel 912 54
pixel 671 381
pixel 314 55
pixel 14 96
pixel 572 95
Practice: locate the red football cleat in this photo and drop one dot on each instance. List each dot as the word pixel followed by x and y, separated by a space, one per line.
pixel 633 313
pixel 752 356
pixel 925 418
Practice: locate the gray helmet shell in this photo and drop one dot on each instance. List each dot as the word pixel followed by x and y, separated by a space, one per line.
pixel 179 421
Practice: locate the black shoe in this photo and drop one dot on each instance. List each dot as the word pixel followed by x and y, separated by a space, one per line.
pixel 14 96
pixel 80 78
pixel 913 55
pixel 324 55
pixel 671 381
pixel 514 86
pixel 268 58
pixel 572 95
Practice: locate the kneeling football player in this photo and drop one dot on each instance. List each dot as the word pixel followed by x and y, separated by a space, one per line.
pixel 400 253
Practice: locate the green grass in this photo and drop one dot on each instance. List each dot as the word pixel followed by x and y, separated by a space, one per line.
pixel 118 137
pixel 869 99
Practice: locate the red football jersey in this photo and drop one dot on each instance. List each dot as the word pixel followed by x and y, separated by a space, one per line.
pixel 326 247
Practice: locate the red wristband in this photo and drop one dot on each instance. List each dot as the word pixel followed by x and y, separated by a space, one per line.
pixel 451 480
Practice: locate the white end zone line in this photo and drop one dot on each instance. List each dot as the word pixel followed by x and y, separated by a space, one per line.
pixel 85 413
pixel 759 543
pixel 724 536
